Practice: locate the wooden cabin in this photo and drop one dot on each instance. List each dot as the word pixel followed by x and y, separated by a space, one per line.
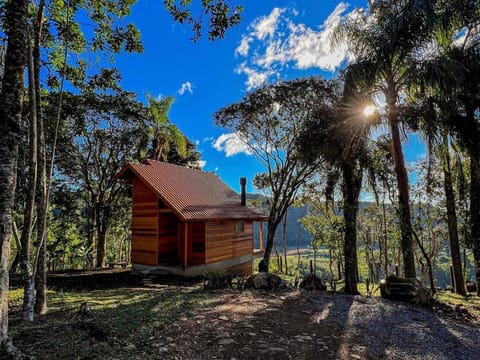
pixel 186 221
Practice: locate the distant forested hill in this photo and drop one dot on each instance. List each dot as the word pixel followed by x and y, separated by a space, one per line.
pixel 294 228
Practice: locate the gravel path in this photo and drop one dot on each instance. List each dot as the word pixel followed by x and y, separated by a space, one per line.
pixel 298 325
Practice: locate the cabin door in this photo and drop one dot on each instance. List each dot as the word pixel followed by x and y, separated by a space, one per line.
pixel 167 238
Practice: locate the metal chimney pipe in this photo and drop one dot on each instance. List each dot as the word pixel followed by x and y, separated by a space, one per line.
pixel 243 195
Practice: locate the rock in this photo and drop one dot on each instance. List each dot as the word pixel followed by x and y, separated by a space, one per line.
pixel 406 289
pixel 312 282
pixel 265 281
pixel 130 347
pixel 266 332
pixel 223 334
pixel 471 286
pixel 226 341
pixel 223 317
pixel 303 337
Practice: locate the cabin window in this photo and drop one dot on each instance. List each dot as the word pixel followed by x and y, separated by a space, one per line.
pixel 239 227
pixel 161 204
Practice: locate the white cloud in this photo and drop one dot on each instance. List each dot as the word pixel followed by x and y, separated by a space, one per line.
pixel 200 163
pixel 276 42
pixel 186 87
pixel 244 46
pixel 231 144
pixel 266 25
pixel 255 78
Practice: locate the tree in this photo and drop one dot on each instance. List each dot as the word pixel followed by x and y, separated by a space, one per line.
pixel 220 16
pixel 107 36
pixel 165 133
pixel 11 102
pixel 268 120
pixel 340 140
pixel 25 264
pixel 384 44
pixel 324 221
pixel 451 79
pixel 104 133
pixel 452 217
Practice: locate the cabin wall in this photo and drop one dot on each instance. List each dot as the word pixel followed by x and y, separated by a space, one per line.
pixel 195 243
pixel 223 242
pixel 144 224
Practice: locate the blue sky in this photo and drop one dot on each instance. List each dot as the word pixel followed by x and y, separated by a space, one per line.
pixel 275 40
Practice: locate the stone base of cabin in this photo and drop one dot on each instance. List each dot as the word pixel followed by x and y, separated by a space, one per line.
pixel 242 265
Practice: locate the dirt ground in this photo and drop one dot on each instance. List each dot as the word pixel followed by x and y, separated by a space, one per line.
pixel 161 318
pixel 301 325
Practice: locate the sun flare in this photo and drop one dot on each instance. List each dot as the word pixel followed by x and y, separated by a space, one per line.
pixel 369 110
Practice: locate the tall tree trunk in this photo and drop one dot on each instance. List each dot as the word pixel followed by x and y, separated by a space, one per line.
pixel 429 263
pixel 263 266
pixel 475 213
pixel 103 222
pixel 42 203
pixel 11 102
pixel 452 220
pixel 385 239
pixel 403 192
pixel 25 261
pixel 18 244
pixel 352 184
pixel 284 241
pixel 91 221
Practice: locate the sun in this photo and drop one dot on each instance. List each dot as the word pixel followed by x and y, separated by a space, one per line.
pixel 369 110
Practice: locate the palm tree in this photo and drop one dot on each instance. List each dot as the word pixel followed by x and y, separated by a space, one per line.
pixel 452 77
pixel 383 44
pixel 164 131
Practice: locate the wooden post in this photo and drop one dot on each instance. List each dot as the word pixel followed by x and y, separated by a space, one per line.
pixel 261 235
pixel 396 271
pixel 311 266
pixel 185 250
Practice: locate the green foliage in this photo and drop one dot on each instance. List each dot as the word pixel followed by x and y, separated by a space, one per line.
pixel 219 13
pixel 164 131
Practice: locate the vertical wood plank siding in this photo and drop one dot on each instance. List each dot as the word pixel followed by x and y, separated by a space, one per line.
pixel 144 224
pixel 223 243
pixel 167 237
pixel 195 243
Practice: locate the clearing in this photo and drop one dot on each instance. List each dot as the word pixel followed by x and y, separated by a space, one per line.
pixel 131 318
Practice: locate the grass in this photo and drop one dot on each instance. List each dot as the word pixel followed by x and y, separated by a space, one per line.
pixel 471 302
pixel 122 322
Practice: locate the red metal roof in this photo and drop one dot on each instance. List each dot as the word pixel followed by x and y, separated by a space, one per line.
pixel 192 194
